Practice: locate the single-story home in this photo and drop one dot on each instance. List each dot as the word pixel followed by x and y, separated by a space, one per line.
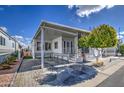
pixel 57 39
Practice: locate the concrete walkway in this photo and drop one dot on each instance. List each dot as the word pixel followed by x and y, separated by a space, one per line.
pixel 28 73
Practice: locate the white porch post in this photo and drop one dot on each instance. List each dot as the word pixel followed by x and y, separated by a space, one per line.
pixel 33 53
pixel 42 48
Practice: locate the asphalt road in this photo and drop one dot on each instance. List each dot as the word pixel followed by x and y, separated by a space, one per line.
pixel 115 80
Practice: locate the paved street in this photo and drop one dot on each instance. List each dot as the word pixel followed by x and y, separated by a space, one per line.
pixel 116 80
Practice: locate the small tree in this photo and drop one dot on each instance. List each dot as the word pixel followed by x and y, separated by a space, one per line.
pixel 121 50
pixel 103 36
pixel 83 41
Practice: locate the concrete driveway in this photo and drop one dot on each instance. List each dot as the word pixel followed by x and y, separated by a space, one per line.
pixel 115 80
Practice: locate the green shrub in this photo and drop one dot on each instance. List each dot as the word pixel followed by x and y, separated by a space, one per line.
pixel 11 60
pixel 121 50
pixel 8 62
pixel 15 54
pixel 28 57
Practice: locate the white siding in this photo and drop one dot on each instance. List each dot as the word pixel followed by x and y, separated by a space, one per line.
pixel 8 44
pixel 59 49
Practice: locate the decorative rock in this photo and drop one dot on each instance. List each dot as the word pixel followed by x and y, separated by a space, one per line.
pixel 48 78
pixel 77 67
pixel 84 76
pixel 55 83
pixel 77 72
pixel 64 74
pixel 89 71
pixel 72 75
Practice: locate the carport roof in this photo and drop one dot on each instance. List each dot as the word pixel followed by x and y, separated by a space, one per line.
pixel 60 27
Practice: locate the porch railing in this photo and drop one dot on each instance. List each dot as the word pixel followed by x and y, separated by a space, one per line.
pixel 67 57
pixel 75 57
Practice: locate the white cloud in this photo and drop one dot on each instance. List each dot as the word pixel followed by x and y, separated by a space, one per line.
pixel 86 10
pixel 70 6
pixel 22 40
pixel 122 33
pixel 120 37
pixel 18 37
pixel 109 6
pixel 4 28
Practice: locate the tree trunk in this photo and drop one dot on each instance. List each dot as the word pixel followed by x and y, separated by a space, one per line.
pixel 84 57
pixel 97 59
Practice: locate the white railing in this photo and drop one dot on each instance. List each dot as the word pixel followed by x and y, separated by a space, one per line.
pixel 67 57
pixel 56 55
pixel 75 57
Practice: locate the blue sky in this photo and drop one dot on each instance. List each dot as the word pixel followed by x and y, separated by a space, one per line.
pixel 23 21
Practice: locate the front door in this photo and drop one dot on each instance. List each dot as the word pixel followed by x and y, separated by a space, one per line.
pixel 67 47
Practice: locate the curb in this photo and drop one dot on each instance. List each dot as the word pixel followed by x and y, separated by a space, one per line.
pixel 15 74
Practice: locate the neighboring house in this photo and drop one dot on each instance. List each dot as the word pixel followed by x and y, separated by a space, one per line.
pixel 110 51
pixel 7 43
pixel 113 51
pixel 60 40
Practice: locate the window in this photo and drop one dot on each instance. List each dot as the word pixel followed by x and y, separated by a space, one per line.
pixel 13 45
pixel 56 45
pixel 79 35
pixel 67 44
pixel 64 44
pixel 71 44
pixel 38 46
pixel 71 47
pixel 2 41
pixel 47 46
